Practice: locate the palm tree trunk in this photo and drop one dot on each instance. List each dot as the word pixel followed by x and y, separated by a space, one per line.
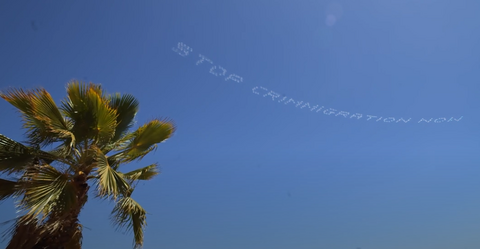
pixel 24 236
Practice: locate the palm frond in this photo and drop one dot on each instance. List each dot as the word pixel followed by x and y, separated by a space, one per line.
pixel 47 112
pixel 14 156
pixel 120 143
pixel 116 159
pixel 8 189
pixel 145 173
pixel 88 110
pixel 146 138
pixel 47 189
pixel 42 118
pixel 63 151
pixel 126 107
pixel 22 100
pixel 110 183
pixel 106 117
pixel 129 215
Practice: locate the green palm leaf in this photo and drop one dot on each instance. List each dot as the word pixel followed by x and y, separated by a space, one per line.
pixel 105 117
pixel 14 156
pixel 43 120
pixel 116 159
pixel 126 107
pixel 88 110
pixel 145 173
pixel 128 214
pixel 146 138
pixel 47 189
pixel 22 100
pixel 48 113
pixel 110 183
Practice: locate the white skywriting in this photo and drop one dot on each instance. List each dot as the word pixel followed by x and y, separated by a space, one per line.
pixel 217 70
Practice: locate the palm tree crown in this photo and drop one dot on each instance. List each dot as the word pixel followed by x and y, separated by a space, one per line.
pixel 80 144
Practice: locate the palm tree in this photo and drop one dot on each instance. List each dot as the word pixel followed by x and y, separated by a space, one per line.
pixel 80 144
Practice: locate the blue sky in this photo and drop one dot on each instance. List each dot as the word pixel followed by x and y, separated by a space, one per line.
pixel 248 171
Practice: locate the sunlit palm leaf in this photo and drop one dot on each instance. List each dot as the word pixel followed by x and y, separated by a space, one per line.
pixel 109 182
pixel 22 100
pixel 74 105
pixel 42 118
pixel 45 189
pixel 146 138
pixel 128 214
pixel 105 117
pixel 119 144
pixel 48 113
pixel 89 112
pixel 126 106
pixel 145 173
pixel 116 159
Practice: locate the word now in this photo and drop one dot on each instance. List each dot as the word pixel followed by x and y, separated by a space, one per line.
pixel 184 50
pixel 330 111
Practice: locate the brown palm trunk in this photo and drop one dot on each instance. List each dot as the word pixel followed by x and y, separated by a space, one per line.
pixel 24 236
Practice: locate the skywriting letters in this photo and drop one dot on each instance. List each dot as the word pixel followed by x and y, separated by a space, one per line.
pixel 264 92
pixel 219 71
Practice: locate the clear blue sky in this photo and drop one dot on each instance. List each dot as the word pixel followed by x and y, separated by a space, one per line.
pixel 250 171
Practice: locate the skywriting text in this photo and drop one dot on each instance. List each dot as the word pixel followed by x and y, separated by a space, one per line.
pixel 219 71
